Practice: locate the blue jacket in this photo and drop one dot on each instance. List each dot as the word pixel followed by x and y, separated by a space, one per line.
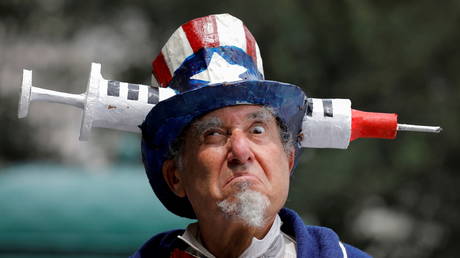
pixel 312 241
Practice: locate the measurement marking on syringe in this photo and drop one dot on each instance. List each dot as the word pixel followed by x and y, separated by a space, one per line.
pixel 113 88
pixel 327 107
pixel 153 95
pixel 133 91
pixel 309 107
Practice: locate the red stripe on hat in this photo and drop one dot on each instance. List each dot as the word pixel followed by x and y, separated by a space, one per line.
pixel 161 71
pixel 202 32
pixel 250 45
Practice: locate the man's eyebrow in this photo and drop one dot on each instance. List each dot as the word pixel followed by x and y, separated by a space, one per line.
pixel 200 126
pixel 261 115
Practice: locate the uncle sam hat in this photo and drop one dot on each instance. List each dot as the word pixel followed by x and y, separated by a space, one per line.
pixel 209 62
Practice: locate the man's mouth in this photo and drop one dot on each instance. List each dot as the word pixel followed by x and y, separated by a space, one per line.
pixel 241 178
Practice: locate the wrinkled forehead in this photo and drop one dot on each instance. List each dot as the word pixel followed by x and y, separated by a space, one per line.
pixel 233 115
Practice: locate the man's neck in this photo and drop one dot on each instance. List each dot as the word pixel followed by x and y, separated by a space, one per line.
pixel 218 236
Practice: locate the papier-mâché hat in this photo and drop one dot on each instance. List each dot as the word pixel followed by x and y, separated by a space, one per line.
pixel 210 63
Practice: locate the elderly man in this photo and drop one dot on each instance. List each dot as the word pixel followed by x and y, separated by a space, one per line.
pixel 223 148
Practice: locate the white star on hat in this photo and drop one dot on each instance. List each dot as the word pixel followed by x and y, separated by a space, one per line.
pixel 219 70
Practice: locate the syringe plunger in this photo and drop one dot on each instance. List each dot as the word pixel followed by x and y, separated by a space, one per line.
pixel 30 93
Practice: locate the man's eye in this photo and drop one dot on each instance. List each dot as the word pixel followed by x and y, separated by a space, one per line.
pixel 258 129
pixel 214 137
pixel 213 134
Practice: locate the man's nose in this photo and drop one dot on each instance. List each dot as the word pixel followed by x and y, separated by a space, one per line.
pixel 240 150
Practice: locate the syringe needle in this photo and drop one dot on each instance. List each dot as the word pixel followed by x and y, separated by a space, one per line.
pixel 419 128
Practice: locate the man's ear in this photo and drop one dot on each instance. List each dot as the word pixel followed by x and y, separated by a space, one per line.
pixel 172 178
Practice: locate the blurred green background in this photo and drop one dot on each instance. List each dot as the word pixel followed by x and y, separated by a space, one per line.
pixel 392 198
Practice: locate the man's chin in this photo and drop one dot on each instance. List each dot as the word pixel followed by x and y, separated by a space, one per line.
pixel 245 204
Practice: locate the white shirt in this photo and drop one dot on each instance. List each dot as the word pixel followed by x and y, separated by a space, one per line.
pixel 275 244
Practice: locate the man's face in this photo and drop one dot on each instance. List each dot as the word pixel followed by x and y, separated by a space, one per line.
pixel 230 147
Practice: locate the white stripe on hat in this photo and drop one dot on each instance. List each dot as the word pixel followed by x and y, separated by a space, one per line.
pixel 176 50
pixel 154 82
pixel 231 31
pixel 259 61
pixel 344 250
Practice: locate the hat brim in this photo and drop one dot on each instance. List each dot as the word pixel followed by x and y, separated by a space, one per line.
pixel 166 121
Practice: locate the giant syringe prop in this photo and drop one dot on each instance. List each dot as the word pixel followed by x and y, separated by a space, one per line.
pixel 328 123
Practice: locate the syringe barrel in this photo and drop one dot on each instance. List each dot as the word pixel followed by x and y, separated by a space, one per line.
pixel 327 123
pixel 123 106
pixel 117 105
